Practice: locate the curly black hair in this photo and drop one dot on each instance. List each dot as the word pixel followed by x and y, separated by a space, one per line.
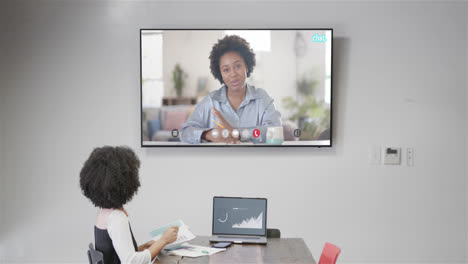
pixel 109 178
pixel 227 44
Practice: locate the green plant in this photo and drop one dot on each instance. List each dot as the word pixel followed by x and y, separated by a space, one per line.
pixel 312 117
pixel 306 87
pixel 178 76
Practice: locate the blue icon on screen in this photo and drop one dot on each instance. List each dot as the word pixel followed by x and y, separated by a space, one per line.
pixel 317 38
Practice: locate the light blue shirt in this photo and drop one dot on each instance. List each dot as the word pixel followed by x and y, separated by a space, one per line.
pixel 257 111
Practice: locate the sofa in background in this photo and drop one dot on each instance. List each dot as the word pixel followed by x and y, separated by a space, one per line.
pixel 161 121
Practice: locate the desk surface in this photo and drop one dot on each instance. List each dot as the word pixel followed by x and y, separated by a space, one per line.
pixel 278 250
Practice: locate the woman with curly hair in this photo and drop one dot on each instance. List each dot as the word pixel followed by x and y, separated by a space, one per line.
pixel 109 178
pixel 236 106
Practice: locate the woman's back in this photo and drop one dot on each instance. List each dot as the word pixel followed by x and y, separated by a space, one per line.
pixel 102 239
pixel 109 179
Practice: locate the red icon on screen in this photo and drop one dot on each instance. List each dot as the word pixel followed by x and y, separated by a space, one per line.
pixel 256 133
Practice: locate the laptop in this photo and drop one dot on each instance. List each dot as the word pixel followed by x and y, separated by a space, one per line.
pixel 239 220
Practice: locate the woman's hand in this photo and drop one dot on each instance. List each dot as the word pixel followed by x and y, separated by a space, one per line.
pixel 221 119
pixel 170 235
pixel 146 245
pixel 225 125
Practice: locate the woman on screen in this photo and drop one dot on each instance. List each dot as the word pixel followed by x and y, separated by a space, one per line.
pixel 236 106
pixel 109 178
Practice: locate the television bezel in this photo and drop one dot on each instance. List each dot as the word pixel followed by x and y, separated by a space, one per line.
pixel 236 145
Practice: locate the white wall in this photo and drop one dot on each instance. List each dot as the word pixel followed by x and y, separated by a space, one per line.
pixel 2 166
pixel 2 134
pixel 194 61
pixel 2 174
pixel 466 108
pixel 2 184
pixel 398 80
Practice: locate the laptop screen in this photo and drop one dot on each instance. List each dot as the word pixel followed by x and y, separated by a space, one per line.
pixel 239 216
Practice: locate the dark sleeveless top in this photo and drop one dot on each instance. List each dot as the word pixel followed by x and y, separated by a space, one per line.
pixel 103 243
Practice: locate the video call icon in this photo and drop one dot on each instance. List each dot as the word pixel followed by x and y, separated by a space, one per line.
pixel 175 132
pixel 215 133
pixel 225 133
pixel 235 133
pixel 256 133
pixel 245 134
pixel 297 132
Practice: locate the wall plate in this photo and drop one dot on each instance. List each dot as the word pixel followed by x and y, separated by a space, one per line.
pixel 392 156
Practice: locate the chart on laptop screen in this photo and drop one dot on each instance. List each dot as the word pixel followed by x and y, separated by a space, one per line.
pixel 239 216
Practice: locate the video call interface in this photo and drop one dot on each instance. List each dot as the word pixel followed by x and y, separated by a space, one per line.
pixel 236 216
pixel 236 87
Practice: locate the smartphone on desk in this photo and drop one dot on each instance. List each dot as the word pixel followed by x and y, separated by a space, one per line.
pixel 222 244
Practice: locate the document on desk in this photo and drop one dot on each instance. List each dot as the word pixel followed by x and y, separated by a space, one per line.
pixel 183 235
pixel 192 251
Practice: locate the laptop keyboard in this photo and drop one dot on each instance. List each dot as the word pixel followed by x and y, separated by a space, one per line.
pixel 239 238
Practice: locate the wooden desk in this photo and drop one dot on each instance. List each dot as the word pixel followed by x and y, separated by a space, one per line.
pixel 277 251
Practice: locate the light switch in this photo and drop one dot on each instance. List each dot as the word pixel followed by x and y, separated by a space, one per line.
pixel 410 157
pixel 375 155
pixel 392 156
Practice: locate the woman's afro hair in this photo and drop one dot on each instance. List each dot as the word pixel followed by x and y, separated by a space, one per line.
pixel 109 178
pixel 227 44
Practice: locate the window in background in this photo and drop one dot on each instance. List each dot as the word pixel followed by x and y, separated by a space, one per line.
pixel 152 68
pixel 259 40
pixel 328 48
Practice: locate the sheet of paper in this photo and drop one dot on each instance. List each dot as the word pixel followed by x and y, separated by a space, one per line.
pixel 193 251
pixel 183 235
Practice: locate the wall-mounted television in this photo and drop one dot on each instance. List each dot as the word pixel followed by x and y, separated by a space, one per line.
pixel 236 87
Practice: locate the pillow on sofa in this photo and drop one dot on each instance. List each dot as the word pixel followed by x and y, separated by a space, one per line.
pixel 153 127
pixel 174 119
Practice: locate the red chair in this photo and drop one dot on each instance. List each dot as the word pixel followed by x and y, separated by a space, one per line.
pixel 329 254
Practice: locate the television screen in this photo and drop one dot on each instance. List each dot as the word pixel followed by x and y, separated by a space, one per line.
pixel 268 87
